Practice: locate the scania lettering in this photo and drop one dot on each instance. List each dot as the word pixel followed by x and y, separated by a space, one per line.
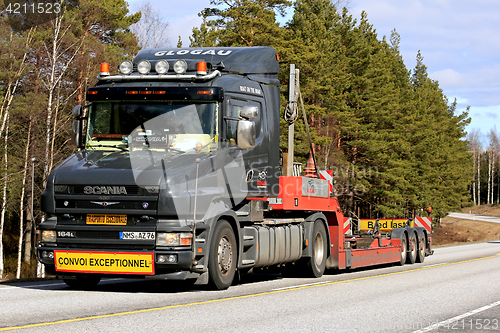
pixel 179 177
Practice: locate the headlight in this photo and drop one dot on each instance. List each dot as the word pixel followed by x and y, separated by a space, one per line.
pixel 180 67
pixel 144 67
pixel 61 188
pixel 173 239
pixel 126 67
pixel 161 67
pixel 49 236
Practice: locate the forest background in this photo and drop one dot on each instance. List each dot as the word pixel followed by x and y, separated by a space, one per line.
pixel 394 140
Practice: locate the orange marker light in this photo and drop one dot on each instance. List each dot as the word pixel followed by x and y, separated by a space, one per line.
pixel 201 68
pixel 146 92
pixel 204 92
pixel 160 92
pixel 104 69
pixel 132 92
pixel 93 92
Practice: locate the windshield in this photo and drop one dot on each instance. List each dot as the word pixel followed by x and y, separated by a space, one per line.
pixel 168 125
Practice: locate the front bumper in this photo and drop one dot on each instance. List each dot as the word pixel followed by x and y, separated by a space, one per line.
pixel 145 263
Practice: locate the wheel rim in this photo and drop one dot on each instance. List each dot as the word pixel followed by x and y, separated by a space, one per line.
pixel 413 247
pixel 422 247
pixel 319 249
pixel 225 255
pixel 403 250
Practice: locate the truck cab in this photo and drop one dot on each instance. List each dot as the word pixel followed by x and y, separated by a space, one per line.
pixel 179 139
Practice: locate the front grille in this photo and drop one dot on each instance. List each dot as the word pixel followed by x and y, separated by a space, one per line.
pixel 103 246
pixel 116 190
pixel 107 205
pixel 97 234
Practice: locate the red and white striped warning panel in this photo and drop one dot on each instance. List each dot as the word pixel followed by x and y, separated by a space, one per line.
pixel 347 224
pixel 328 175
pixel 425 222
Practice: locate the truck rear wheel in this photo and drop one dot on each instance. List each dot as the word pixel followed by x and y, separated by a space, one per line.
pixel 82 282
pixel 412 249
pixel 422 244
pixel 317 263
pixel 223 256
pixel 404 249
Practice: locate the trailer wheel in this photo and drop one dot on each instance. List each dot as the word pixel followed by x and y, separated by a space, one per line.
pixel 422 244
pixel 82 282
pixel 223 256
pixel 412 249
pixel 317 263
pixel 404 247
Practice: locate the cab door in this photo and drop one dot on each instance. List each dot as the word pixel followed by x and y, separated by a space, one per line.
pixel 256 160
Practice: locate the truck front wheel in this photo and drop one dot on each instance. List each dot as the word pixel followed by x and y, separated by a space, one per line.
pixel 223 256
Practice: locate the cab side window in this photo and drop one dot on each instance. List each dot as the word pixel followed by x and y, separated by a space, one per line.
pixel 234 108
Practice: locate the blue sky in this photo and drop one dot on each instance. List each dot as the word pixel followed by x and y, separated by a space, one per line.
pixel 459 40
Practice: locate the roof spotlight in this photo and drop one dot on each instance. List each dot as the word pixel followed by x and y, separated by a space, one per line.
pixel 180 67
pixel 161 67
pixel 126 67
pixel 144 67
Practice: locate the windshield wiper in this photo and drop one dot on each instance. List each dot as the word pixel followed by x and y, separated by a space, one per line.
pixel 169 149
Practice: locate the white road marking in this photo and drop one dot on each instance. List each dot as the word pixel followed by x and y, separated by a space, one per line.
pixel 457 318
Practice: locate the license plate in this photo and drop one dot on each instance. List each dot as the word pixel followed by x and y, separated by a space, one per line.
pixel 104 262
pixel 137 235
pixel 107 219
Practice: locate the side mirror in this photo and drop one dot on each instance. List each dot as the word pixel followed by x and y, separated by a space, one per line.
pixel 77 126
pixel 246 134
pixel 77 111
pixel 76 133
pixel 249 112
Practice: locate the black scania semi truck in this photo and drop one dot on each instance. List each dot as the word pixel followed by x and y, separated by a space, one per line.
pixel 178 177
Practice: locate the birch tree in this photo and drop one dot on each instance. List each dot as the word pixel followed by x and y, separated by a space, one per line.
pixel 21 208
pixel 151 31
pixel 494 147
pixel 475 149
pixel 60 58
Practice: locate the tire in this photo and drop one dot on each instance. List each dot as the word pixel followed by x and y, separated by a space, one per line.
pixel 223 256
pixel 404 249
pixel 82 282
pixel 412 249
pixel 422 244
pixel 316 264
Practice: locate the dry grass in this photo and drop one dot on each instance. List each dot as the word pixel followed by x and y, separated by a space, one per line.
pixel 455 231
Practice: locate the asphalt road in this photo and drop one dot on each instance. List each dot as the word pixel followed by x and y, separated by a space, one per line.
pixel 484 218
pixel 455 290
